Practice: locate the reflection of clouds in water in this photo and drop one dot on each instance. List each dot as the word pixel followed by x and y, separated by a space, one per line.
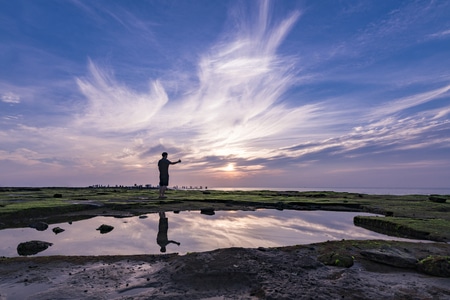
pixel 195 232
pixel 271 228
pixel 224 229
pixel 125 237
pixel 265 228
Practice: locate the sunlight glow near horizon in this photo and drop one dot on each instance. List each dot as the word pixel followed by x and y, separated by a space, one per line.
pixel 229 167
pixel 266 93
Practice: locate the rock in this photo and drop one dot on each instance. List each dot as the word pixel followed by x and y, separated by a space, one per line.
pixel 57 196
pixel 435 266
pixel 207 211
pixel 57 230
pixel 391 256
pixel 279 205
pixel 105 228
pixel 40 226
pixel 336 259
pixel 32 247
pixel 437 199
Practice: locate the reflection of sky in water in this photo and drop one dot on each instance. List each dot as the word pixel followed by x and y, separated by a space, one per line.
pixel 195 232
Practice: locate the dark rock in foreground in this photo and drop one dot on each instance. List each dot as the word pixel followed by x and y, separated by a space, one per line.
pixel 391 256
pixel 435 266
pixel 32 247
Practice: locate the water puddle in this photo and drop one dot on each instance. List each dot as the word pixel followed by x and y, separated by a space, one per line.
pixel 195 232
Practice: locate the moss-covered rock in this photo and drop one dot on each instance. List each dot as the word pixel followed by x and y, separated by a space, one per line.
pixel 336 259
pixel 435 265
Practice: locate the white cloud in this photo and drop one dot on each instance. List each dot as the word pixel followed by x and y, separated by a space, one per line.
pixel 381 130
pixel 112 107
pixel 10 97
pixel 236 108
pixel 398 105
pixel 440 34
pixel 238 98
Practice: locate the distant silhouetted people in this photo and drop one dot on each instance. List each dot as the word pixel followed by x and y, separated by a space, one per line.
pixel 163 166
pixel 163 227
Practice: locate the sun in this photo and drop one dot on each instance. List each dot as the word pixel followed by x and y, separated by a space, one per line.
pixel 229 167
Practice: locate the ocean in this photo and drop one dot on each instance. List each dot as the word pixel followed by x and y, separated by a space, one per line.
pixel 361 190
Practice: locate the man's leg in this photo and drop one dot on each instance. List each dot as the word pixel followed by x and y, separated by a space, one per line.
pixel 162 190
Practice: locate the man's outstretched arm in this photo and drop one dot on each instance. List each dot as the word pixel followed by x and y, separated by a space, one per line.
pixel 176 162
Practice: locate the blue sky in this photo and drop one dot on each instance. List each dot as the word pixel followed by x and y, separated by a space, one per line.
pixel 245 93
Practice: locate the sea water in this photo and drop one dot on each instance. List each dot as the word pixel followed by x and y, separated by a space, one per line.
pixel 194 231
pixel 361 190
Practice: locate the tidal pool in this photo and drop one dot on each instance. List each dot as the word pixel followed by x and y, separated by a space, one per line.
pixel 195 232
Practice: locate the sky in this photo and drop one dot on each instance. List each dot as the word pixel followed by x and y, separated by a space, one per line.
pixel 333 93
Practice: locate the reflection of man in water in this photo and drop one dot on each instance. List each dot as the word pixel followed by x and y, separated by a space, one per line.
pixel 163 227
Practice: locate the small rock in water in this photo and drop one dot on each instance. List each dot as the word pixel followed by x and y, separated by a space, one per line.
pixel 57 230
pixel 105 228
pixel 40 226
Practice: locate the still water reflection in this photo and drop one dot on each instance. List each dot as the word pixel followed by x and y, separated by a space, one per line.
pixel 190 232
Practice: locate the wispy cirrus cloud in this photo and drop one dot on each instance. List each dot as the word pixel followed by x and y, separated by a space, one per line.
pixel 112 107
pixel 238 97
pixel 236 111
pixel 10 97
pixel 389 135
pixel 440 34
pixel 399 105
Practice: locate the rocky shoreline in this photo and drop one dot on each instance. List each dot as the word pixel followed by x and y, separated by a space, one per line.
pixel 347 269
pixel 331 270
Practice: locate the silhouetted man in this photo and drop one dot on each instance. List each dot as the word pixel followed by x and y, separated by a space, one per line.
pixel 163 166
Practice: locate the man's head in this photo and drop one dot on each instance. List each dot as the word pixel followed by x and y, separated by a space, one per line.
pixel 164 154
